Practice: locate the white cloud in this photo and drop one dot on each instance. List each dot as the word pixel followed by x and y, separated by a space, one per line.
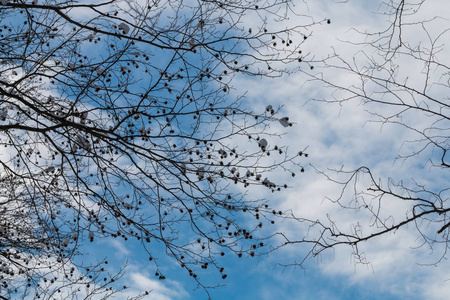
pixel 340 136
pixel 119 246
pixel 159 289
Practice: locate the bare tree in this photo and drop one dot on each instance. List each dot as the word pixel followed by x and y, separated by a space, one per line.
pixel 401 76
pixel 117 121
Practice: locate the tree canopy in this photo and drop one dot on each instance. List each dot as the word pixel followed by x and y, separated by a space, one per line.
pixel 118 119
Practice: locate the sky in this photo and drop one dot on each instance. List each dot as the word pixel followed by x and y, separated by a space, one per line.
pixel 337 136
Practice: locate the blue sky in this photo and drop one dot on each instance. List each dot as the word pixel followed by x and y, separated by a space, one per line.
pixel 336 136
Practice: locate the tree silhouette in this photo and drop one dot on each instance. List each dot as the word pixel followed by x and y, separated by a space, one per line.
pixel 118 120
pixel 400 75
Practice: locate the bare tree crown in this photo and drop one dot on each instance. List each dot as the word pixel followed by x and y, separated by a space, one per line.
pixel 399 74
pixel 118 119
